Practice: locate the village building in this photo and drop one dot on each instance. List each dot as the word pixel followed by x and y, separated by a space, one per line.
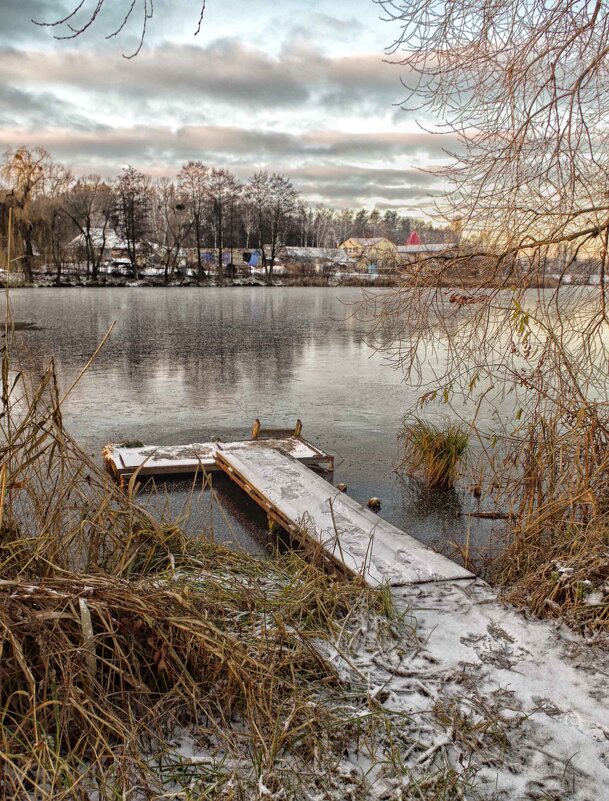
pixel 114 247
pixel 309 261
pixel 414 249
pixel 378 252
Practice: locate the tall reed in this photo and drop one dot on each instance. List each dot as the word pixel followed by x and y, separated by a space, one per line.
pixel 120 635
pixel 556 556
pixel 436 453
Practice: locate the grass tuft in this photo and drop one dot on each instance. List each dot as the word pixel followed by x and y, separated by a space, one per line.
pixel 434 453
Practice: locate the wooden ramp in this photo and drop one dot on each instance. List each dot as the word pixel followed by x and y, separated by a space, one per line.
pixel 314 511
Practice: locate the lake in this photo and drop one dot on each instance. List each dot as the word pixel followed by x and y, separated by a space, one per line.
pixel 194 364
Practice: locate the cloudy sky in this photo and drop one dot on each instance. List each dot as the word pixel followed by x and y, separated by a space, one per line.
pixel 301 87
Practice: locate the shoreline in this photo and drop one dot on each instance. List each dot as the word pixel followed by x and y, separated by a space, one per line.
pixel 365 282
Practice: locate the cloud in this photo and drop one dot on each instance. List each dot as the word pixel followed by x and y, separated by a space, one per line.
pixel 323 119
pixel 305 160
pixel 226 71
pixel 329 28
pixel 38 110
pixel 227 143
pixel 348 185
pixel 379 145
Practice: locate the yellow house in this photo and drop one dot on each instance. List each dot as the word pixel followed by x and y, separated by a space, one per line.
pixel 377 250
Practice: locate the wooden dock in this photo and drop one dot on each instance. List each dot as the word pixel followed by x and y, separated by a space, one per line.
pixel 274 468
pixel 124 460
pixel 314 512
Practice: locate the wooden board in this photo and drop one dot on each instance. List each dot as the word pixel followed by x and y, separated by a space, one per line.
pixel 153 460
pixel 310 508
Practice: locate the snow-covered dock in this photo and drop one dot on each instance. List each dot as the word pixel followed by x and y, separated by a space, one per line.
pixel 151 460
pixel 274 469
pixel 317 513
pixel 507 707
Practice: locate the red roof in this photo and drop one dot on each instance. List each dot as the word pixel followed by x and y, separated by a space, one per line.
pixel 414 239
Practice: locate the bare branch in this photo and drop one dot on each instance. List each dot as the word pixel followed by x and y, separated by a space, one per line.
pixel 76 29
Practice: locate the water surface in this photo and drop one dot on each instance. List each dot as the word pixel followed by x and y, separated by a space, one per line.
pixel 192 364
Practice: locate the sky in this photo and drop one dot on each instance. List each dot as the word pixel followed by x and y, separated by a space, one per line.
pixel 300 87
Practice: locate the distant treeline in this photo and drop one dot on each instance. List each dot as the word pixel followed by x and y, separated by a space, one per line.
pixel 56 214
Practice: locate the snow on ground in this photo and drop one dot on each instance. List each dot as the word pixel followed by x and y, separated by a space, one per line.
pixel 519 706
pixel 459 697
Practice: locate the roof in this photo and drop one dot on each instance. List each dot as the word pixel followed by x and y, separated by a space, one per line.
pixel 317 254
pixel 414 239
pixel 436 248
pixel 367 242
pixel 113 240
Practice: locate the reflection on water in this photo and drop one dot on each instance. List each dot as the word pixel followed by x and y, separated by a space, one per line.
pixel 188 364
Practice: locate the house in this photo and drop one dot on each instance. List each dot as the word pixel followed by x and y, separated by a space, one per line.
pixel 368 251
pixel 115 248
pixel 414 249
pixel 441 250
pixel 305 260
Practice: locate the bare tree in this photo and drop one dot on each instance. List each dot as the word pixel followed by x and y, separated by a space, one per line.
pixel 54 233
pixel 525 100
pixel 345 225
pixel 322 227
pixel 248 218
pixel 276 204
pixel 305 222
pixel 89 204
pixel 282 203
pixel 224 189
pixel 176 224
pixel 27 174
pixel 194 182
pixel 257 193
pixel 131 214
pixel 522 93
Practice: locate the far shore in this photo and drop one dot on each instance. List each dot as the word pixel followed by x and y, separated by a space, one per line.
pixel 379 281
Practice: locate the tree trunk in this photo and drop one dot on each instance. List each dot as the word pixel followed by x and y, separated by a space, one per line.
pixel 94 263
pixel 28 257
pixel 220 244
pixel 200 270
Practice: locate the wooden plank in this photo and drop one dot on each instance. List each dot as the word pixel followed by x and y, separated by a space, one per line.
pixel 351 535
pixel 153 460
pixel 122 462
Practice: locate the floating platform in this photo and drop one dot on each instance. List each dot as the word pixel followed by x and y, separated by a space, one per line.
pixel 124 460
pixel 316 513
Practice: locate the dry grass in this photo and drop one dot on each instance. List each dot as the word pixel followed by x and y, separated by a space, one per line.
pixel 433 452
pixel 118 634
pixel 556 557
pixel 563 574
pixel 97 672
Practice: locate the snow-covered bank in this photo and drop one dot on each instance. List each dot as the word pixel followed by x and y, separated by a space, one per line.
pixel 453 696
pixel 517 707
